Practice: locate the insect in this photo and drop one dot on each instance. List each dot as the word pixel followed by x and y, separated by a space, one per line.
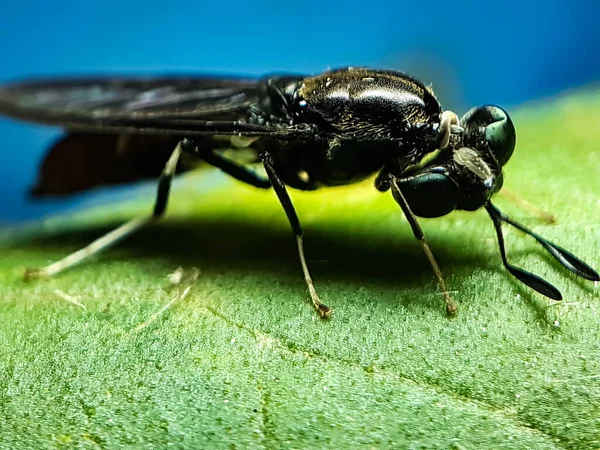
pixel 308 132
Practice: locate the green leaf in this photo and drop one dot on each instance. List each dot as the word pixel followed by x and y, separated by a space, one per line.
pixel 93 359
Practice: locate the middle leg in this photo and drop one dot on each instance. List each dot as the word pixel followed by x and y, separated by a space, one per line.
pixel 284 198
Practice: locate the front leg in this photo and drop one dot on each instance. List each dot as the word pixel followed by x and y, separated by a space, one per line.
pixel 394 184
pixel 284 198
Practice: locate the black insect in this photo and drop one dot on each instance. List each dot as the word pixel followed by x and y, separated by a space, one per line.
pixel 336 128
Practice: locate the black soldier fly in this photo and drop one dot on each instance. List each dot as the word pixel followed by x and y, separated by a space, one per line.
pixel 335 128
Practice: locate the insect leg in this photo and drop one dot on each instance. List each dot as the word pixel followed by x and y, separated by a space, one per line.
pixel 324 310
pixel 451 306
pixel 231 168
pixel 541 214
pixel 125 230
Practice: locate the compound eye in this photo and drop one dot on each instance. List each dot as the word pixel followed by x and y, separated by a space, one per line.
pixel 499 133
pixel 430 194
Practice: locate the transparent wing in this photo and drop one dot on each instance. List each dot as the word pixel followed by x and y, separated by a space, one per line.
pixel 165 105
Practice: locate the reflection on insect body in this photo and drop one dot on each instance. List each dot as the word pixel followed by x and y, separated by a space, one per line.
pixel 332 129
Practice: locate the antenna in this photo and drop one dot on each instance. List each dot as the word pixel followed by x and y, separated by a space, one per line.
pixel 566 258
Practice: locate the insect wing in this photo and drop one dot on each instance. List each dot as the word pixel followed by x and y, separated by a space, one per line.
pixel 166 105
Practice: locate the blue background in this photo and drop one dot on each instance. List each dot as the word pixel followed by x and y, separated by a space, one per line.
pixel 504 52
